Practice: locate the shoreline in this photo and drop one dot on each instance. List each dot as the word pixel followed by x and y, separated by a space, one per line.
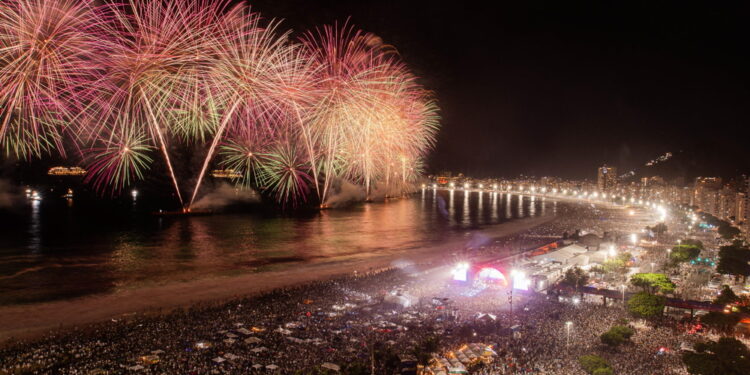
pixel 33 321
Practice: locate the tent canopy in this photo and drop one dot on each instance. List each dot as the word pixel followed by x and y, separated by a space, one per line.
pixel 331 366
pixel 253 340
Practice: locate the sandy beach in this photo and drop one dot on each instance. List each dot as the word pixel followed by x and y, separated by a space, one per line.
pixel 34 320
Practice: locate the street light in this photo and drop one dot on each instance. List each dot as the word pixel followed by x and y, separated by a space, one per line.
pixel 623 293
pixel 567 336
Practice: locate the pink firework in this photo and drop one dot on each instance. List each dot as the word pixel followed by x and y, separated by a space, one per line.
pixel 46 53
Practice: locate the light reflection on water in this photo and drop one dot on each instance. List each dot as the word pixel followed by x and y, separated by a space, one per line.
pixel 61 251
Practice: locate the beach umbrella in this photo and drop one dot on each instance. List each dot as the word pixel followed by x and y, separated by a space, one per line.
pixel 253 340
pixel 330 366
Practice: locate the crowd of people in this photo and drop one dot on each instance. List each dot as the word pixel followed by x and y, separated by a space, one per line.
pixel 342 322
pixel 363 323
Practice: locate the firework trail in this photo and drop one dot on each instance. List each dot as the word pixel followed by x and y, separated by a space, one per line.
pixel 349 60
pixel 252 70
pixel 157 54
pixel 366 107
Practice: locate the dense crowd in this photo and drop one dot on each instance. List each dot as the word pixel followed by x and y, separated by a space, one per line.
pixel 363 320
pixel 339 322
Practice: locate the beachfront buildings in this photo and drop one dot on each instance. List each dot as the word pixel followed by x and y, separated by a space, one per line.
pixel 606 178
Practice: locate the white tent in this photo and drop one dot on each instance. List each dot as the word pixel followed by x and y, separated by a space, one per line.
pixel 396 299
pixel 272 367
pixel 257 366
pixel 244 331
pixel 331 366
pixel 218 359
pixel 229 341
pixel 258 350
pixel 253 340
pixel 136 368
pixel 231 356
pixel 487 316
pixel 562 255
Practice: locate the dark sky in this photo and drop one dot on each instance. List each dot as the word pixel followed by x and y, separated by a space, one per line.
pixel 560 87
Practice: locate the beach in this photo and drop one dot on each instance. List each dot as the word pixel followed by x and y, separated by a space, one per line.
pixel 29 321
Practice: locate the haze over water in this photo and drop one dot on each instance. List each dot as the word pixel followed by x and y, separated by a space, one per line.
pixel 52 250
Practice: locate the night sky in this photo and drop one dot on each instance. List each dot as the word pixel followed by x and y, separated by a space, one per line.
pixel 560 87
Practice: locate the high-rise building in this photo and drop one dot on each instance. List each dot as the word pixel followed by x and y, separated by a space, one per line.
pixel 651 181
pixel 606 178
pixel 744 207
pixel 727 209
pixel 706 194
pixel 740 209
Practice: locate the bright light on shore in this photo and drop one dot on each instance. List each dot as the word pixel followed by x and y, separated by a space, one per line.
pixel 460 271
pixel 519 280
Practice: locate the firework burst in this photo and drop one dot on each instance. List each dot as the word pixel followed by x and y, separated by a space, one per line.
pixel 118 160
pixel 128 81
pixel 257 73
pixel 157 53
pixel 46 49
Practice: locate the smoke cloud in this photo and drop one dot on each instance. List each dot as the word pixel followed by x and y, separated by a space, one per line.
pixel 345 194
pixel 224 195
pixel 7 194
